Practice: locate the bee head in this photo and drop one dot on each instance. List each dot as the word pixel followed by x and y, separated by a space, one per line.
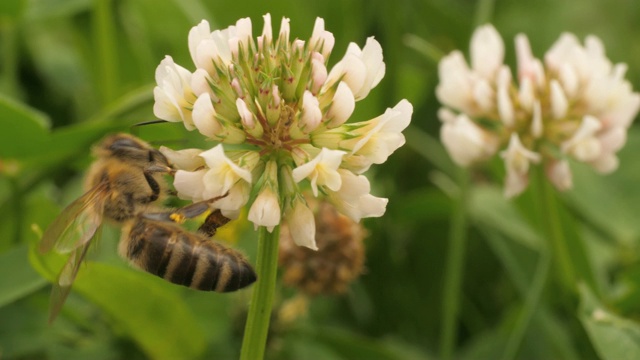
pixel 129 149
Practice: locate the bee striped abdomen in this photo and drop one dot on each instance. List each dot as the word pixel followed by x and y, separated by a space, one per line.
pixel 185 258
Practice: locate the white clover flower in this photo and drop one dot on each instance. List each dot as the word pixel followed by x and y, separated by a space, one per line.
pixel 574 105
pixel 465 141
pixel 287 116
pixel 517 159
pixel 173 94
pixel 302 224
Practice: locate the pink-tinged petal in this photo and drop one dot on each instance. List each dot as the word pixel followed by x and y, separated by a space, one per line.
pixel 246 117
pixel 311 115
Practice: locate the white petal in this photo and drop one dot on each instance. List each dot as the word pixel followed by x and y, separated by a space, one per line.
pixel 197 34
pixel 536 121
pixel 559 174
pixel 302 225
pixel 606 163
pixel 237 197
pixel 526 94
pixel 187 159
pixel 353 198
pixel 559 102
pixel 517 157
pixel 321 170
pixel 265 210
pixel 487 51
pixel 342 106
pixel 569 80
pixel 505 107
pixel 465 142
pixel 267 32
pixel 321 40
pixel 190 184
pixel 226 172
pixel 246 117
pixel 456 87
pixel 484 95
pixel 584 145
pixel 380 141
pixel 204 117
pixel 318 73
pixel 372 57
pixel 311 114
pixel 515 184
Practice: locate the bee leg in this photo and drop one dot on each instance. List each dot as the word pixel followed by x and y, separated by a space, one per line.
pixel 186 212
pixel 155 188
pixel 212 223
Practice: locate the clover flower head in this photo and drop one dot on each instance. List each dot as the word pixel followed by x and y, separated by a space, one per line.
pixel 280 120
pixel 572 105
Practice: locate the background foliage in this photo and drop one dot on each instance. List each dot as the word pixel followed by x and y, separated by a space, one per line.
pixel 75 70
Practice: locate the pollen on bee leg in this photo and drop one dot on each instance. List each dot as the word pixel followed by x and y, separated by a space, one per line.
pixel 177 218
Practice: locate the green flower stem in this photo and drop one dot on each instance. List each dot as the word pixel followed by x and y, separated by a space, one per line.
pixel 555 235
pixel 454 267
pixel 257 326
pixel 547 215
pixel 531 304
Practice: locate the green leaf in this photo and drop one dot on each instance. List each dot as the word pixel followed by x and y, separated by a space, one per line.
pixel 12 8
pixel 613 337
pixel 353 346
pixel 17 277
pixel 24 130
pixel 142 306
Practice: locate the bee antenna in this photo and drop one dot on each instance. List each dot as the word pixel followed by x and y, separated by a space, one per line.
pixel 150 122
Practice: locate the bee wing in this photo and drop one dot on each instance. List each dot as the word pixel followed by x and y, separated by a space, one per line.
pixel 77 223
pixel 62 286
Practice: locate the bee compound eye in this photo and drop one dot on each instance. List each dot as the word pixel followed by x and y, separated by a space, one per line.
pixel 123 143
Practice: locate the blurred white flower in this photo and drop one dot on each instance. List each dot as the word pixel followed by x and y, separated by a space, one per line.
pixel 517 159
pixel 576 105
pixel 465 141
pixel 287 115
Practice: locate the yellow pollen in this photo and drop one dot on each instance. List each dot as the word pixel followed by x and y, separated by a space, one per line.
pixel 178 218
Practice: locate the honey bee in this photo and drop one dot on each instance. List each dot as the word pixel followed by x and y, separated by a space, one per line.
pixel 125 184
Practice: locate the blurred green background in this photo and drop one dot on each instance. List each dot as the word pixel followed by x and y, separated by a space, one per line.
pixel 72 71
